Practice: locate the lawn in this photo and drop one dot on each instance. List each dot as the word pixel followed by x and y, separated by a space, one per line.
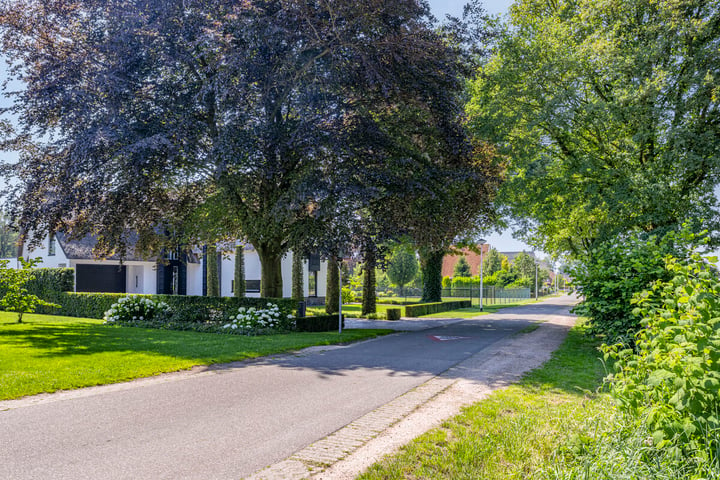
pixel 518 432
pixel 48 353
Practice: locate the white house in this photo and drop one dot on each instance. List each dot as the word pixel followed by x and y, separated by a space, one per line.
pixel 182 274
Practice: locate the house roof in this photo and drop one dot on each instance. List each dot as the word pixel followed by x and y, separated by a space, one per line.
pixel 82 249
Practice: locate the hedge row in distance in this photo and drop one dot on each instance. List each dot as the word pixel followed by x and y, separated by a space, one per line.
pixel 428 308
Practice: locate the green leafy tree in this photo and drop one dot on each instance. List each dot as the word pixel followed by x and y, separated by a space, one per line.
pixel 524 264
pixel 607 113
pixel 369 296
pixel 298 290
pixel 462 268
pixel 156 113
pixel 17 298
pixel 492 262
pixel 402 268
pixel 332 290
pixel 239 273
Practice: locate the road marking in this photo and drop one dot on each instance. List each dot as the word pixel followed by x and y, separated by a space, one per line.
pixel 445 338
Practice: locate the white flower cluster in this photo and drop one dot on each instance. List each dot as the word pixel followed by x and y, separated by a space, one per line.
pixel 253 320
pixel 133 307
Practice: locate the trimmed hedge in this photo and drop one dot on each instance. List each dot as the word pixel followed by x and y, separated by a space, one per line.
pixel 321 323
pixel 393 313
pixel 428 308
pixel 185 308
pixel 45 282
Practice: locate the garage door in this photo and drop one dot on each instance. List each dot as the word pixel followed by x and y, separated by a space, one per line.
pixel 100 278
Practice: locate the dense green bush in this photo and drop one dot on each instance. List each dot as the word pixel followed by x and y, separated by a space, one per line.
pixel 672 378
pixel 393 313
pixel 428 308
pixel 610 277
pixel 44 282
pixel 132 308
pixel 185 308
pixel 320 323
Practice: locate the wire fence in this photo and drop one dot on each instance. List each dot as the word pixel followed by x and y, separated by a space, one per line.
pixel 490 295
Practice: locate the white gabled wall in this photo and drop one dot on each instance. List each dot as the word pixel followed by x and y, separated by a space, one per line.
pixel 48 261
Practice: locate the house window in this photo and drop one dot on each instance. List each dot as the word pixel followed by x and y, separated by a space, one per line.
pixel 51 245
pixel 312 284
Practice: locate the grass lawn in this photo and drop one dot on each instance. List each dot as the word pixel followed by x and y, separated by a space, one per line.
pixel 48 353
pixel 518 432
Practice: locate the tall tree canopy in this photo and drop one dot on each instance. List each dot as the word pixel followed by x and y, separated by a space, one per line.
pixel 607 111
pixel 246 119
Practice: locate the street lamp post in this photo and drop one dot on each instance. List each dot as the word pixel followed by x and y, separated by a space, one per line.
pixel 481 242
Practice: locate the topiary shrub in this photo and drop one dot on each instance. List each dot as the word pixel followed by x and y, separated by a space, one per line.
pixel 393 313
pixel 428 308
pixel 320 323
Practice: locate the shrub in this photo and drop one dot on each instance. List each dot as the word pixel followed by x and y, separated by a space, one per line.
pixel 15 294
pixel 428 308
pixel 348 296
pixel 613 273
pixel 260 321
pixel 393 313
pixel 672 378
pixel 321 323
pixel 131 309
pixel 446 282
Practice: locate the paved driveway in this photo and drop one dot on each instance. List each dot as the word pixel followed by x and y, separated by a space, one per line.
pixel 230 422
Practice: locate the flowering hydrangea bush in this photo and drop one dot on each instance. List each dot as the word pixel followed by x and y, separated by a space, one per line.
pixel 263 320
pixel 136 309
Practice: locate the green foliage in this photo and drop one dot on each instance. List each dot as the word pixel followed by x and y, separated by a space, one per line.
pixel 14 283
pixel 600 107
pixel 613 273
pixel 402 268
pixel 393 313
pixel 504 278
pixel 462 268
pixel 447 282
pixel 492 262
pixel 369 287
pixel 431 263
pixel 348 296
pixel 524 265
pixel 332 291
pixel 298 290
pixel 186 309
pixel 428 308
pixel 239 273
pixel 45 281
pixel 319 323
pixel 523 282
pixel 213 280
pixel 672 378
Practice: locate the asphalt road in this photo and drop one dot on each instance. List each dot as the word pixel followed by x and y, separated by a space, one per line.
pixel 235 421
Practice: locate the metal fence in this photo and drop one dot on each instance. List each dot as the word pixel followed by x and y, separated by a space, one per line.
pixel 491 295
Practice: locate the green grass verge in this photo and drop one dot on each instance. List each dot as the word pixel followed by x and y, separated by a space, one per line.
pixel 516 432
pixel 48 353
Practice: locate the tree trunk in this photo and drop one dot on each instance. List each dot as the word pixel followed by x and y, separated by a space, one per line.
pixel 332 292
pixel 271 285
pixel 431 264
pixel 369 297
pixel 298 292
pixel 213 279
pixel 240 271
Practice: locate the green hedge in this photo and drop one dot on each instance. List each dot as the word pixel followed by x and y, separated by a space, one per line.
pixel 393 313
pixel 428 308
pixel 321 323
pixel 186 308
pixel 45 282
